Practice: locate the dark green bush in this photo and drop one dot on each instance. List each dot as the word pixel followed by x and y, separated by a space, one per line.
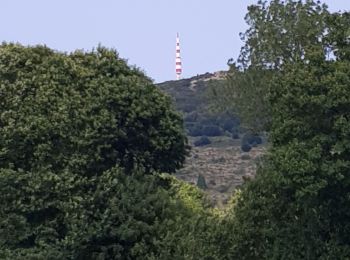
pixel 201 183
pixel 191 117
pixel 212 130
pixel 229 124
pixel 235 136
pixel 257 139
pixel 209 120
pixel 251 139
pixel 195 130
pixel 202 141
pixel 248 138
pixel 246 147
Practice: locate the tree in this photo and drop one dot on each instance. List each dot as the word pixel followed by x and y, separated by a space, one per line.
pixel 44 215
pixel 276 36
pixel 338 36
pixel 85 112
pixel 246 147
pixel 302 190
pixel 297 207
pixel 201 183
pixel 80 139
pixel 282 32
pixel 203 140
pixel 245 93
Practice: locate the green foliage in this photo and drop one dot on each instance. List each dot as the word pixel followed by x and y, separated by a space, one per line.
pixel 111 216
pixel 251 139
pixel 246 147
pixel 235 135
pixel 203 140
pixel 190 96
pixel 65 216
pixel 82 137
pixel 202 234
pixel 297 208
pixel 66 122
pixel 212 130
pixel 84 112
pixel 280 32
pixel 230 124
pixel 245 93
pixel 201 182
pixel 195 130
pixel 338 36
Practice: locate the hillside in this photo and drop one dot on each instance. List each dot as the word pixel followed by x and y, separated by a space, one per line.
pixel 222 162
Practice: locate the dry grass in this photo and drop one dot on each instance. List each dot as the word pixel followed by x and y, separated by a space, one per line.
pixel 223 165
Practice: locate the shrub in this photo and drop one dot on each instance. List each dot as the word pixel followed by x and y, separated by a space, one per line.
pixel 201 183
pixel 246 147
pixel 248 138
pixel 195 130
pixel 209 120
pixel 212 130
pixel 202 141
pixel 188 107
pixel 257 139
pixel 191 117
pixel 235 136
pixel 230 124
pixel 251 139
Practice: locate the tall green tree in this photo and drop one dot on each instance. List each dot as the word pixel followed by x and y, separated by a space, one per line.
pixel 244 93
pixel 298 205
pixel 81 136
pixel 280 32
pixel 84 112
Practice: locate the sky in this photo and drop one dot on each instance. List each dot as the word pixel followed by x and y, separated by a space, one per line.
pixel 143 32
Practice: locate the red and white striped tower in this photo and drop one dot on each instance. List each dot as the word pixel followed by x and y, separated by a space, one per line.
pixel 178 64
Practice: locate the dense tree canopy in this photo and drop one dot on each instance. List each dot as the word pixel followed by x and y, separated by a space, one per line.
pixel 84 112
pixel 298 205
pixel 279 33
pixel 282 32
pixel 73 128
pixel 44 215
pixel 83 138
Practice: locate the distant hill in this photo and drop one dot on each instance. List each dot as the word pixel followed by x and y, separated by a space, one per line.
pixel 188 93
pixel 190 97
pixel 217 157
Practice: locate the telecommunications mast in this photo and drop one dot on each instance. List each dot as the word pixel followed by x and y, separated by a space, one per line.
pixel 178 64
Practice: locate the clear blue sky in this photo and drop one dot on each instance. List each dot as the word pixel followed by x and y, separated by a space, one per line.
pixel 142 31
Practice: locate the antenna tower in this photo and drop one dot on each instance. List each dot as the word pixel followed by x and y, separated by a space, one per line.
pixel 178 64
